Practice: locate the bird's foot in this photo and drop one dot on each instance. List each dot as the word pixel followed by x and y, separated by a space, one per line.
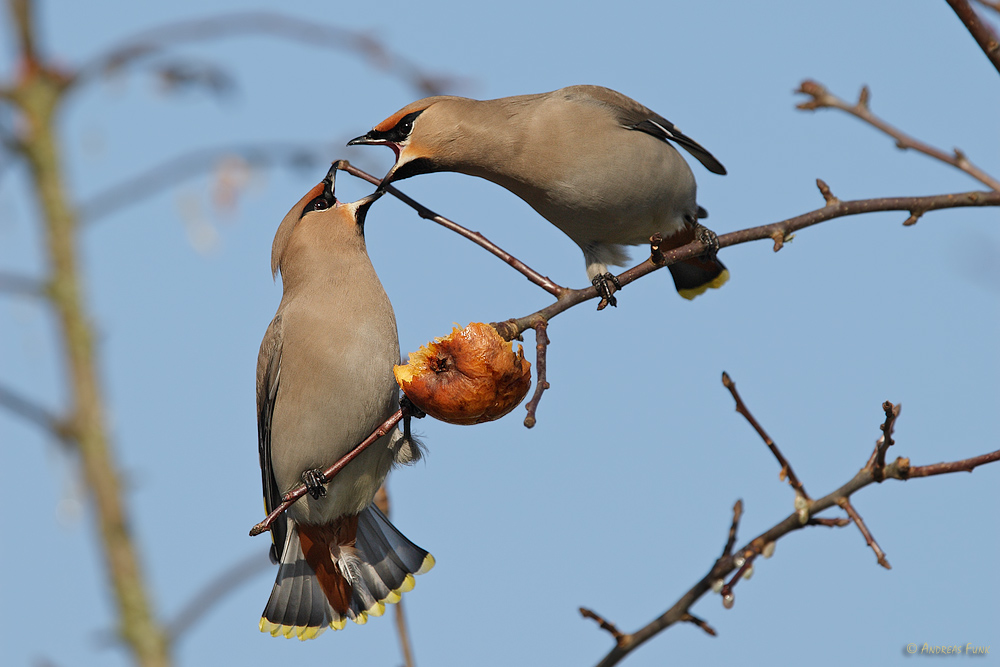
pixel 410 409
pixel 605 290
pixel 315 482
pixel 709 238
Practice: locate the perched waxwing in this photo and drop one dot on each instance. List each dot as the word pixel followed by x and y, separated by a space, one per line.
pixel 597 164
pixel 324 383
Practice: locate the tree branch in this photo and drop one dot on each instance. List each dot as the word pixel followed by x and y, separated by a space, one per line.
pixel 992 4
pixel 981 32
pixel 182 167
pixel 34 413
pixel 13 283
pixel 299 31
pixel 779 232
pixel 824 99
pixel 786 467
pixel 289 498
pixel 212 593
pixel 762 544
pixel 37 95
pixel 541 347
pixel 476 237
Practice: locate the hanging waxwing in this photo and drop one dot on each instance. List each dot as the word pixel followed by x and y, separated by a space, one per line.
pixel 597 164
pixel 324 383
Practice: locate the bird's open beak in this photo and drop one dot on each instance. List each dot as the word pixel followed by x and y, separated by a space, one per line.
pixel 365 203
pixel 366 140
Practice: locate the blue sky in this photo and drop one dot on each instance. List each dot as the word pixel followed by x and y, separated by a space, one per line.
pixel 621 496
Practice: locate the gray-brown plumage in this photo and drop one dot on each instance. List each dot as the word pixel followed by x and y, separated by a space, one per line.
pixel 324 383
pixel 597 164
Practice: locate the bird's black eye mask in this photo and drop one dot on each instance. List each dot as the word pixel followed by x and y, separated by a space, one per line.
pixel 399 132
pixel 325 199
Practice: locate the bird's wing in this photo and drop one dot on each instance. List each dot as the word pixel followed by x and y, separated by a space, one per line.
pixel 634 116
pixel 268 375
pixel 663 129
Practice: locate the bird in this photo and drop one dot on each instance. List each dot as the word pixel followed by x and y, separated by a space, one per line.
pixel 324 383
pixel 595 163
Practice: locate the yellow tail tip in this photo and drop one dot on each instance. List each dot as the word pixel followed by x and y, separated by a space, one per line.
pixel 716 283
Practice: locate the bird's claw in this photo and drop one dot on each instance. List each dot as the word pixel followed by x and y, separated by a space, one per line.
pixel 709 238
pixel 410 409
pixel 604 290
pixel 315 482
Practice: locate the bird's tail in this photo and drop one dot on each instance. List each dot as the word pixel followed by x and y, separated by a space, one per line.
pixel 694 276
pixel 345 570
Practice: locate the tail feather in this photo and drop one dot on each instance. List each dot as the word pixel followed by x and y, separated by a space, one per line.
pixel 330 573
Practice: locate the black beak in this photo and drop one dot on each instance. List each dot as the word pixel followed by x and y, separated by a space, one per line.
pixel 364 140
pixel 330 180
pixel 365 204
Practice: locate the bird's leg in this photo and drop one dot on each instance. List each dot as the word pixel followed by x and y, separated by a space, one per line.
pixel 607 294
pixel 315 480
pixel 410 408
pixel 708 237
pixel 410 411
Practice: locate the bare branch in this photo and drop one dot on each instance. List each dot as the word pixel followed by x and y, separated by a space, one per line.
pixel 829 523
pixel 145 45
pixel 991 4
pixel 34 413
pixel 869 540
pixel 289 498
pixel 541 384
pixel 981 31
pixel 691 618
pixel 965 465
pixel 13 283
pixel 824 99
pixel 183 167
pixel 22 12
pixel 604 624
pixel 571 297
pixel 899 469
pixel 731 542
pixel 786 467
pixel 885 441
pixel 37 95
pixel 215 591
pixel 477 238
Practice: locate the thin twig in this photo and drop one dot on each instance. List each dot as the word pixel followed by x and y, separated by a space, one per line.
pixel 212 593
pixel 691 618
pixel 300 31
pixel 183 167
pixel 786 467
pixel 731 541
pixel 289 498
pixel 991 4
pixel 404 635
pixel 382 502
pixel 476 237
pixel 965 465
pixel 824 99
pixel 900 469
pixel 541 384
pixel 885 441
pixel 511 328
pixel 604 624
pixel 980 30
pixel 12 283
pixel 34 413
pixel 746 565
pixel 860 523
pixel 830 523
